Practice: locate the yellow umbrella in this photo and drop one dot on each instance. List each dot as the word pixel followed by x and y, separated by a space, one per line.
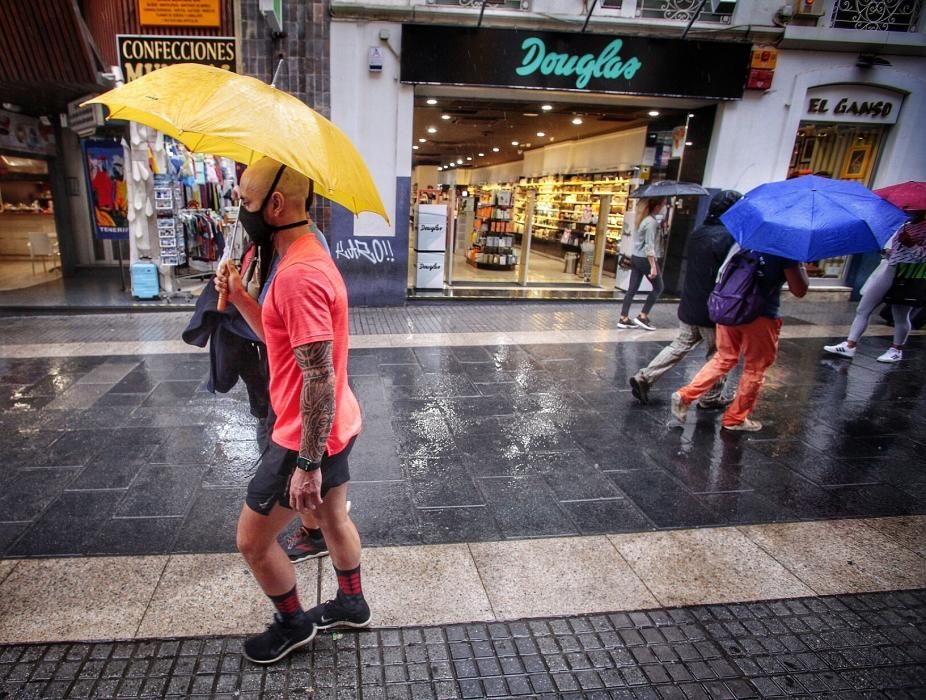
pixel 215 111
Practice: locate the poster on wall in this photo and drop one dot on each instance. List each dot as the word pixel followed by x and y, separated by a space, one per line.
pixel 104 167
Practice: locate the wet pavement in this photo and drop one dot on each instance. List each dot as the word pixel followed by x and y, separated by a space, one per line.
pixel 130 454
pixel 858 646
pixel 502 450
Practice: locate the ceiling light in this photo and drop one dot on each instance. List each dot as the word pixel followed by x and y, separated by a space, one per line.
pixel 496 149
pixel 531 114
pixel 577 120
pixel 546 108
pixel 482 155
pixel 431 101
pixel 653 113
pixel 445 117
pixel 422 140
pixel 440 167
pixel 689 143
pixel 690 115
pixel 459 161
pixel 514 143
pixel 414 148
pixel 541 134
pixel 432 129
pixel 469 157
pixel 551 138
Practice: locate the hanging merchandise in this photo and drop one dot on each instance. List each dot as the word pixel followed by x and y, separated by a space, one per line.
pixel 203 230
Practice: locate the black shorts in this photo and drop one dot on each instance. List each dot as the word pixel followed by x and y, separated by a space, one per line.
pixel 270 484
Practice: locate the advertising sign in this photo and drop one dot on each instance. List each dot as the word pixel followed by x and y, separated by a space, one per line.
pixel 104 165
pixel 179 13
pixel 140 54
pixel 630 65
pixel 855 104
pixel 20 132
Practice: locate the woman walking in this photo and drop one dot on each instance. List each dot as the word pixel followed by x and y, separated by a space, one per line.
pixel 908 247
pixel 644 260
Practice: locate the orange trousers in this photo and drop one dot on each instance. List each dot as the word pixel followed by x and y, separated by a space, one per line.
pixel 757 342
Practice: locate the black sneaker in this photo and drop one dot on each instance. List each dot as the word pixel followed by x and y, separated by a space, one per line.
pixel 644 323
pixel 343 611
pixel 302 546
pixel 280 638
pixel 640 390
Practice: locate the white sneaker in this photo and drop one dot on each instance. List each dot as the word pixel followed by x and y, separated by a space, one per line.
pixel 892 355
pixel 842 349
pixel 644 323
pixel 679 407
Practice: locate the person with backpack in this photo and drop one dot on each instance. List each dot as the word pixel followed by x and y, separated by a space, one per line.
pixel 705 251
pixel 644 260
pixel 744 305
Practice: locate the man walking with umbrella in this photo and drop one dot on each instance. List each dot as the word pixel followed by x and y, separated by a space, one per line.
pixel 756 341
pixel 304 323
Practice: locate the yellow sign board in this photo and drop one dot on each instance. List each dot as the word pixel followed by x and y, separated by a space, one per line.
pixel 179 13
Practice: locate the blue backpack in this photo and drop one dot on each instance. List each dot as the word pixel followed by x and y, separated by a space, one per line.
pixel 737 298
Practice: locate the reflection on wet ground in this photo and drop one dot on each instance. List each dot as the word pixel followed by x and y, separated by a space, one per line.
pixel 130 454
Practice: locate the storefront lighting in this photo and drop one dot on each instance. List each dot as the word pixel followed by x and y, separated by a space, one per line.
pixel 422 140
pixel 445 117
pixel 540 134
pixel 414 148
pixel 546 108
pixel 469 157
pixel 482 155
pixel 431 101
pixel 689 143
pixel 577 120
pixel 432 129
pixel 514 143
pixel 459 161
pixel 495 149
pixel 653 113
pixel 690 115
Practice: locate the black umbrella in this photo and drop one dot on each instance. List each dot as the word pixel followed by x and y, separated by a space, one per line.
pixel 669 188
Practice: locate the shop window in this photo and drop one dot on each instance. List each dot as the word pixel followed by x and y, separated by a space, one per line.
pixel 680 10
pixel 842 151
pixel 887 15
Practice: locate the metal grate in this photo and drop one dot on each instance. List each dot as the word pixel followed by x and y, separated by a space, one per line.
pixel 679 10
pixel 477 4
pixel 885 15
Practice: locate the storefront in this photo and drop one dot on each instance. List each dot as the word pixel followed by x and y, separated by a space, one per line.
pixel 635 93
pixel 832 114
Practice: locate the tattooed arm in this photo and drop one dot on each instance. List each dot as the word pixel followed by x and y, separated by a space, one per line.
pixel 317 408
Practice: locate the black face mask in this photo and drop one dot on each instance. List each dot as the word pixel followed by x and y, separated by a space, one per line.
pixel 258 230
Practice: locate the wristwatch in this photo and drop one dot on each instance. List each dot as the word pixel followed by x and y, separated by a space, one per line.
pixel 306 465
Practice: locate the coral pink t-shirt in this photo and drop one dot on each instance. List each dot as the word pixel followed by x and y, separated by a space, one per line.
pixel 307 303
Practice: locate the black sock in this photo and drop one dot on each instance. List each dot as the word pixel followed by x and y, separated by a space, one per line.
pixel 287 604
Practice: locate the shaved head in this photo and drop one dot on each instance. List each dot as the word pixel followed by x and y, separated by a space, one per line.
pixel 258 177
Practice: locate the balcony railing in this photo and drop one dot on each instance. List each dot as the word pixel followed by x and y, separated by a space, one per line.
pixel 505 4
pixel 884 15
pixel 679 10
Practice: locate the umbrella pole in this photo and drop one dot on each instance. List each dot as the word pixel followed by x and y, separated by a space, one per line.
pixel 276 73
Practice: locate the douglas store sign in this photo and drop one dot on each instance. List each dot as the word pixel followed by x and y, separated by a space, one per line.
pixel 574 61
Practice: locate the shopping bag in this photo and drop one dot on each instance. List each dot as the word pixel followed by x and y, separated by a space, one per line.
pixel 909 287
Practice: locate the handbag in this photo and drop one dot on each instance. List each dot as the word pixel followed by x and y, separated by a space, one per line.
pixel 909 287
pixel 623 262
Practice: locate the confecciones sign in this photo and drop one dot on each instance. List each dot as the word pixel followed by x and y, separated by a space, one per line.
pixel 141 54
pixel 573 61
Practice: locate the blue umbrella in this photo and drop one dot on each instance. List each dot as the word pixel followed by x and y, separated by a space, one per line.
pixel 811 218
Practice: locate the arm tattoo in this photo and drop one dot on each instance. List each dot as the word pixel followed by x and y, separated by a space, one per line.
pixel 318 397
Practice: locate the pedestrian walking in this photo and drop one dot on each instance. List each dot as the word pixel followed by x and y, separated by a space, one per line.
pixel 756 341
pixel 705 251
pixel 304 323
pixel 644 261
pixel 907 247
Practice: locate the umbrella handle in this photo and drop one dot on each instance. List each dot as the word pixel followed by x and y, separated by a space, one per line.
pixel 222 303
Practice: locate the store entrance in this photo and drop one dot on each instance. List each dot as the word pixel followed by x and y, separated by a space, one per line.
pixel 28 237
pixel 535 183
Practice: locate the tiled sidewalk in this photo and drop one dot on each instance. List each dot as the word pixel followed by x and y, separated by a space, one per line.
pixel 854 646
